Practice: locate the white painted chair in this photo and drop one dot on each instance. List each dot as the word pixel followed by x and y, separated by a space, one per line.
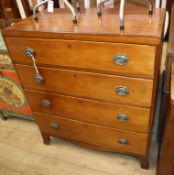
pixel 87 4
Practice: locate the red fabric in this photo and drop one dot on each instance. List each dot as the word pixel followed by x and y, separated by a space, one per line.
pixel 25 109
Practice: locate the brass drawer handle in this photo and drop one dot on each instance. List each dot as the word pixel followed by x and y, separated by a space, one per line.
pixel 120 59
pixel 122 117
pixel 121 90
pixel 54 126
pixel 29 52
pixel 123 141
pixel 38 79
pixel 46 103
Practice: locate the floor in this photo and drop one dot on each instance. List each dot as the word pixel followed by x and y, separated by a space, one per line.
pixel 23 153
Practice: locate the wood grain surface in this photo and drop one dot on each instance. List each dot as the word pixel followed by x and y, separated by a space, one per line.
pixel 172 84
pixel 99 136
pixel 166 160
pixel 60 22
pixel 170 50
pixel 90 111
pixel 86 54
pixel 89 85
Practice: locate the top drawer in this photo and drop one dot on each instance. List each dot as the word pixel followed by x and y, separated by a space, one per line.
pixel 118 58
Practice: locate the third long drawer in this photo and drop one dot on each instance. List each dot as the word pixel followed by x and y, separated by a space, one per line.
pixel 108 114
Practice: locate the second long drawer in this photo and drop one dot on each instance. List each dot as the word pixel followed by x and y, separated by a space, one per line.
pixel 108 114
pixel 110 88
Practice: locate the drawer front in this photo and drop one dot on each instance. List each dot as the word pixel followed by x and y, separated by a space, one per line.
pixel 89 85
pixel 110 57
pixel 114 115
pixel 102 137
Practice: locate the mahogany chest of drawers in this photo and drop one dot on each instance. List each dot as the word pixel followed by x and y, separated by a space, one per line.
pixel 96 85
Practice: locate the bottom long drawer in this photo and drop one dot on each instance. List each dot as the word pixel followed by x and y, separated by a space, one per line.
pixel 104 138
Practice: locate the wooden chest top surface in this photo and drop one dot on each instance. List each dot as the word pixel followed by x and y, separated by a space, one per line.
pixel 137 24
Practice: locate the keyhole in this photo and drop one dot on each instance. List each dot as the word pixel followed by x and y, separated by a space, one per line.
pixel 69 45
